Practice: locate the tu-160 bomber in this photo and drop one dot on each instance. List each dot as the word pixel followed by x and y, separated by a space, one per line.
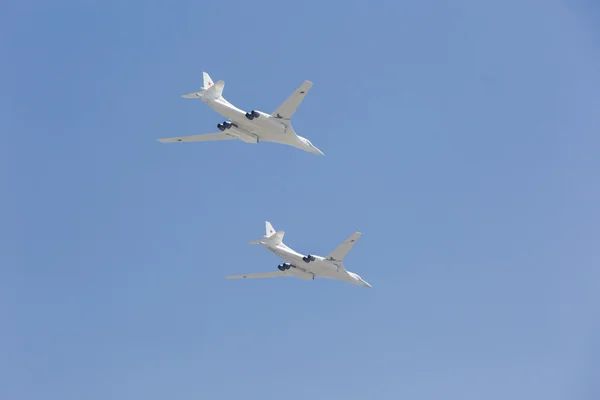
pixel 306 267
pixel 252 126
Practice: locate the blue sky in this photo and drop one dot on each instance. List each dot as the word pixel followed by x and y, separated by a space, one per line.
pixel 460 137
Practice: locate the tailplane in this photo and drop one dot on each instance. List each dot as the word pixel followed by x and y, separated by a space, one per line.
pixel 276 238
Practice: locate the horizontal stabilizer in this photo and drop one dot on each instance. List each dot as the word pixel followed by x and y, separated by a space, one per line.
pixel 194 95
pixel 274 274
pixel 287 109
pixel 277 237
pixel 215 91
pixel 340 252
pixel 207 137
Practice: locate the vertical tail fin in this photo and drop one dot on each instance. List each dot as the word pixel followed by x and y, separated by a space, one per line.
pixel 206 81
pixel 270 231
pixel 270 234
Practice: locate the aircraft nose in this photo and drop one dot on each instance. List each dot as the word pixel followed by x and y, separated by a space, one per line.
pixel 368 285
pixel 319 152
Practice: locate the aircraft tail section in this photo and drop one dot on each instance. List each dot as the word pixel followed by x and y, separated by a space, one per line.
pixel 277 237
pixel 210 90
pixel 269 229
pixel 207 82
pixel 215 91
pixel 271 235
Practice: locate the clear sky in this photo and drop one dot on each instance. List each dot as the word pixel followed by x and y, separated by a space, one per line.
pixel 461 139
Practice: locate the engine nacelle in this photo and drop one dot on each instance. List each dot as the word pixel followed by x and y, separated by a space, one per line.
pixel 284 266
pixel 252 114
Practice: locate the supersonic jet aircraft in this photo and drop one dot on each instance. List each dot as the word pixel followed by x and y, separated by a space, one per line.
pixel 252 126
pixel 306 267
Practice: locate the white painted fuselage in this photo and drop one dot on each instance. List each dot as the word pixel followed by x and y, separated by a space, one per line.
pixel 250 126
pixel 317 266
pixel 306 267
pixel 265 127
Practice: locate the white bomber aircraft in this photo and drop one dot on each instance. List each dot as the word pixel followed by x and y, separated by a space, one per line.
pixel 306 267
pixel 252 126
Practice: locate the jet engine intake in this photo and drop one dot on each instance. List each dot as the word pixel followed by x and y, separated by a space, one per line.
pixel 224 125
pixel 308 258
pixel 252 114
pixel 284 266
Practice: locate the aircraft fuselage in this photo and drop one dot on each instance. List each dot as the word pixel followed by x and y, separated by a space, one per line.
pixel 263 127
pixel 317 267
